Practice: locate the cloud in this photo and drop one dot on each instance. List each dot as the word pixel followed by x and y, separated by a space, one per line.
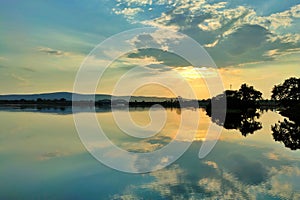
pixel 50 155
pixel 282 19
pixel 282 179
pixel 148 145
pixel 128 12
pixel 211 184
pixel 2 58
pixel 160 56
pixel 286 38
pixel 141 61
pixel 234 34
pixel 247 171
pixel 210 25
pixel 276 53
pixel 272 156
pixel 211 163
pixel 50 51
pixel 160 39
pixel 209 180
pixel 159 23
pixel 22 81
pixel 28 69
pixel 211 44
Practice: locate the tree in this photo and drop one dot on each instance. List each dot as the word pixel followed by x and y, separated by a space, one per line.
pixel 289 91
pixel 248 93
pixel 244 98
pixel 287 132
pixel 39 100
pixel 244 121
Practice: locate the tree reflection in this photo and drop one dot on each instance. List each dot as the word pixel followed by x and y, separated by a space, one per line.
pixel 242 109
pixel 243 120
pixel 287 132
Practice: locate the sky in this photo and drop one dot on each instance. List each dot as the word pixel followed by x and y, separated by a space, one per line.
pixel 43 43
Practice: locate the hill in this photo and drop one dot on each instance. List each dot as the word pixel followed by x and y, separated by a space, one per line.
pixel 82 97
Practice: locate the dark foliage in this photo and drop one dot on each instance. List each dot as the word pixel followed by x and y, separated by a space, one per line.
pixel 244 98
pixel 244 121
pixel 288 93
pixel 287 132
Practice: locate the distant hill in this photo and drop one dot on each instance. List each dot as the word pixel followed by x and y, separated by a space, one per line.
pixel 56 95
pixel 82 97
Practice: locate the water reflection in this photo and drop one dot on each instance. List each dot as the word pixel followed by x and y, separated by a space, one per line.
pixel 222 175
pixel 287 132
pixel 245 121
pixel 41 153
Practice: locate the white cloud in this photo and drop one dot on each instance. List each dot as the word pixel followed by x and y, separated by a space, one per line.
pixel 220 15
pixel 211 163
pixel 163 36
pixel 214 25
pixel 296 11
pixel 210 25
pixel 160 22
pixel 276 53
pixel 285 38
pixel 128 12
pixel 51 51
pixel 211 44
pixel 144 61
pixel 161 39
pixel 211 185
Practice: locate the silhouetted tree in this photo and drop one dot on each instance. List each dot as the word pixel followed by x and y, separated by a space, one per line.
pixel 288 92
pixel 249 125
pixel 39 100
pixel 244 98
pixel 248 93
pixel 287 132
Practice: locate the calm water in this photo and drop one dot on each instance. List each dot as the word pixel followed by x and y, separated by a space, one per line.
pixel 41 156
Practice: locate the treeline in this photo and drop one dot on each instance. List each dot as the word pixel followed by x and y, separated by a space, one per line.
pixel 172 103
pixel 244 108
pixel 39 101
pixel 244 104
pixel 285 95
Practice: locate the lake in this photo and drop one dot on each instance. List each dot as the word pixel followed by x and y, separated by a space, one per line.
pixel 42 157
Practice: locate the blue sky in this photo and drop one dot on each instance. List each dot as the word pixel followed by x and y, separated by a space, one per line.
pixel 43 43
